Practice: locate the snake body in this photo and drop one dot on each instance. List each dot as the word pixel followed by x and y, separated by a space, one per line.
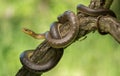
pixel 94 12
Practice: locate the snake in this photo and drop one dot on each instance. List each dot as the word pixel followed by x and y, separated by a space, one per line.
pixel 56 41
pixel 50 59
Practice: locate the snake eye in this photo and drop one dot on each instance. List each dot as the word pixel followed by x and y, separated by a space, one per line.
pixel 27 31
pixel 24 29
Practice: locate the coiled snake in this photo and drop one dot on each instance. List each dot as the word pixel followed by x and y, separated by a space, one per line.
pixel 56 41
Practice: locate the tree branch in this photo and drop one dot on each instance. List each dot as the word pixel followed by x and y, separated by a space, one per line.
pixel 110 25
pixel 86 25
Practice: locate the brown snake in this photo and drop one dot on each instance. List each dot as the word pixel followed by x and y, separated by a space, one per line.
pixel 55 40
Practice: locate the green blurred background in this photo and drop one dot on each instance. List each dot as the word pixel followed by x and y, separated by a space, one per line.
pixel 95 56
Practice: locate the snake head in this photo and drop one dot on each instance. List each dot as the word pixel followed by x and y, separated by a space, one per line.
pixel 27 31
pixel 33 34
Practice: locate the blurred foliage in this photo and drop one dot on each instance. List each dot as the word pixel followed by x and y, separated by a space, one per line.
pixel 95 56
pixel 115 7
